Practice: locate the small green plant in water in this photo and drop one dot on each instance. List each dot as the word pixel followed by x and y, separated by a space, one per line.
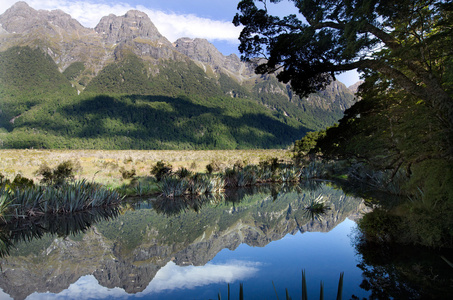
pixel 304 289
pixel 317 208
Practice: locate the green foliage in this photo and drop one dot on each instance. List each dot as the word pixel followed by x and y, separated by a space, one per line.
pixel 58 175
pixel 127 174
pixel 21 182
pixel 29 201
pixel 149 122
pixel 18 182
pixel 380 226
pixel 232 88
pixel 129 75
pixel 27 78
pixel 183 173
pixel 131 106
pixel 307 144
pixel 341 36
pixel 74 70
pixel 161 170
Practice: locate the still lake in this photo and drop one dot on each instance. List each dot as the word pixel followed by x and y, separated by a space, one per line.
pixel 191 249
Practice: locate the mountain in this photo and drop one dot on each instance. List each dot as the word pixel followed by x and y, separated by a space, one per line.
pixel 123 85
pixel 129 250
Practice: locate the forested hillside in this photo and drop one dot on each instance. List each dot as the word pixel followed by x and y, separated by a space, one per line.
pixel 122 88
pixel 122 109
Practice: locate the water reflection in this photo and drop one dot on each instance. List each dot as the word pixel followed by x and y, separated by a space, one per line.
pixel 58 225
pixel 142 245
pixel 404 272
pixel 173 277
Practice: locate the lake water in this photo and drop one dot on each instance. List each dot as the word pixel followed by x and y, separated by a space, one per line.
pixel 192 249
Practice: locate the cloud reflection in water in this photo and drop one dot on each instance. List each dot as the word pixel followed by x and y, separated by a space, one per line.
pixel 170 277
pixel 173 277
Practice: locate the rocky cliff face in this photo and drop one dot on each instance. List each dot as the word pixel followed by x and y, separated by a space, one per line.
pixel 203 51
pixel 22 19
pixel 67 41
pixel 134 24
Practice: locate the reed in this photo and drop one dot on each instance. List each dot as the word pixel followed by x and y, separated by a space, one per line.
pixel 304 295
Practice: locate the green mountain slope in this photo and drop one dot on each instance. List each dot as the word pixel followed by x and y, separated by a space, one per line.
pixel 202 120
pixel 118 87
pixel 28 78
pixel 150 122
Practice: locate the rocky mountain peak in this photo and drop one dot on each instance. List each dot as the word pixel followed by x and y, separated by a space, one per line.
pixel 355 87
pixel 18 17
pixel 134 24
pixel 21 18
pixel 203 51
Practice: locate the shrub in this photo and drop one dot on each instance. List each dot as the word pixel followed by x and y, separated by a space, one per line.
pixel 213 166
pixel 59 175
pixel 209 168
pixel 183 173
pixel 161 170
pixel 127 174
pixel 21 182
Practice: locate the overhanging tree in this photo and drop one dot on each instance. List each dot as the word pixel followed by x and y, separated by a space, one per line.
pixel 407 41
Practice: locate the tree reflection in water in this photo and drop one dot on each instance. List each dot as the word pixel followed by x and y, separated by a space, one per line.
pixel 404 272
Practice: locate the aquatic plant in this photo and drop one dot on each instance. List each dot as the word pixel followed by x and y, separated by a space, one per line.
pixel 201 184
pixel 183 173
pixel 290 174
pixel 66 198
pixel 247 176
pixel 315 169
pixel 4 202
pixel 230 177
pixel 171 186
pixel 198 184
pixel 304 289
pixel 141 189
pixel 316 208
pixel 215 184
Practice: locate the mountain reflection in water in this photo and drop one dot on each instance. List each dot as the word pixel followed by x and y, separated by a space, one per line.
pixel 168 246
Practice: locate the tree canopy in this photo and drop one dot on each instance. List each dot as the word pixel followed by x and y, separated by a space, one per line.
pixel 409 42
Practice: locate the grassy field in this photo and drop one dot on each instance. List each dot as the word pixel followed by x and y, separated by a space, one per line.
pixel 104 166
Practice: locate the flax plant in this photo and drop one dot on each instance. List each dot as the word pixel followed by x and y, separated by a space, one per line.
pixel 32 201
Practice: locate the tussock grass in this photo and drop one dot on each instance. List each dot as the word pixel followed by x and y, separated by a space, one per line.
pixel 103 166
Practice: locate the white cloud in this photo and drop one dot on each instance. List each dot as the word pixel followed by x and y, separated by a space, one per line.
pixel 174 26
pixel 170 25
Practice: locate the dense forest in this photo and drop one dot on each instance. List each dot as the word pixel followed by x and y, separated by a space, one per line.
pixel 124 108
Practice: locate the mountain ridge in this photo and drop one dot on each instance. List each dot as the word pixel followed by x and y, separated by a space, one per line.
pixel 127 55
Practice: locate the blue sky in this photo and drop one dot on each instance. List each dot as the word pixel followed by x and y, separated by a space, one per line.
pixel 209 19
